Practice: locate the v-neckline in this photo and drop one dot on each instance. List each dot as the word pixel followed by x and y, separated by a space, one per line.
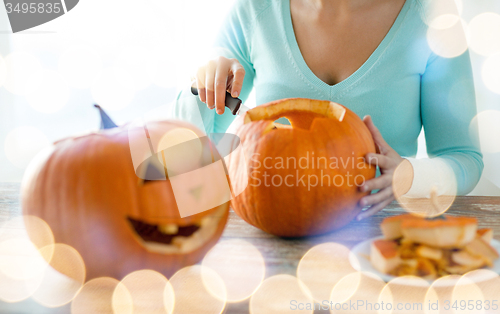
pixel 293 46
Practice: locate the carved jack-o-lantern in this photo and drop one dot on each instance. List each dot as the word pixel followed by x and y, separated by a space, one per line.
pixel 285 196
pixel 87 190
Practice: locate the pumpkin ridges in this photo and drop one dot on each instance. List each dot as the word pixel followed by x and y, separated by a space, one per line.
pixel 234 161
pixel 93 216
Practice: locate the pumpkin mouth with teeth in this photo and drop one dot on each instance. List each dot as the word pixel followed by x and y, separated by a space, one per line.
pixel 174 239
pixel 121 219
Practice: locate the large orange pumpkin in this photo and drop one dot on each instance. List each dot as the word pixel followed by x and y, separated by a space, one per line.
pixel 302 179
pixel 87 190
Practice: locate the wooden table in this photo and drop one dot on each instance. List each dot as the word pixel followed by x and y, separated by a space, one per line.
pixel 281 255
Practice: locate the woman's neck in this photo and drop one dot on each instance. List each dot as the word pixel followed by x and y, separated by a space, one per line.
pixel 326 11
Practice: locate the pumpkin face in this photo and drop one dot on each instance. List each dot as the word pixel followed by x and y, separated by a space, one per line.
pixel 302 179
pixel 88 192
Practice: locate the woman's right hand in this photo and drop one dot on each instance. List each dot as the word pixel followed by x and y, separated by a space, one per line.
pixel 215 78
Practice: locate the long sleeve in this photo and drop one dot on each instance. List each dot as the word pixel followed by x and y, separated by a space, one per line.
pixel 447 108
pixel 402 85
pixel 231 42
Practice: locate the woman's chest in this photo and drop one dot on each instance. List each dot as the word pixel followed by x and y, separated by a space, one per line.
pixel 334 49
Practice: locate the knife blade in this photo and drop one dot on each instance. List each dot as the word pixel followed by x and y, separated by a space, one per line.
pixel 234 104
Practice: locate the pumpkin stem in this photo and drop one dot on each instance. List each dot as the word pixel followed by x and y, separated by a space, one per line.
pixel 106 122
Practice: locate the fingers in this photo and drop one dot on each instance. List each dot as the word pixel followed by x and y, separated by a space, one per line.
pixel 380 196
pixel 384 162
pixel 238 75
pixel 387 160
pixel 221 75
pixel 377 136
pixel 209 83
pixel 373 209
pixel 377 183
pixel 217 77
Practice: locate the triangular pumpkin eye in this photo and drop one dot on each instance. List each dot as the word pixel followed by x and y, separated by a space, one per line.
pixel 153 173
pixel 151 170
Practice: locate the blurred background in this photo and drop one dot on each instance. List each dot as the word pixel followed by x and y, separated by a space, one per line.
pixel 132 56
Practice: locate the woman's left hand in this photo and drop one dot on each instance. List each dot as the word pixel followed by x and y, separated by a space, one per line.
pixel 387 159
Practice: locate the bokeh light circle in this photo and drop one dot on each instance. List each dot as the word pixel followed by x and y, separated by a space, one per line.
pixel 487 123
pixel 47 91
pixel 79 65
pixel 444 21
pixel 122 300
pixel 26 226
pixel 485 34
pixel 356 286
pixel 346 287
pixel 405 294
pixel 191 294
pixel 187 150
pixel 239 264
pixel 23 143
pixel 433 9
pixel 144 291
pixel 447 42
pixel 433 206
pixel 20 259
pixel 63 279
pixel 322 267
pixel 466 289
pixel 488 283
pixel 95 297
pixel 491 73
pixel 20 67
pixel 14 290
pixel 277 294
pixel 440 292
pixel 20 239
pixel 113 89
pixel 21 265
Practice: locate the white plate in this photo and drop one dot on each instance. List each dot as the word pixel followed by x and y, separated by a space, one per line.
pixel 359 259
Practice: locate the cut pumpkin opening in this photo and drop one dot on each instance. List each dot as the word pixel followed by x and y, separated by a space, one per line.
pixel 174 239
pixel 301 112
pixel 161 233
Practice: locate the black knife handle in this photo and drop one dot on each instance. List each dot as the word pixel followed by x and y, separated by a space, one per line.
pixel 232 103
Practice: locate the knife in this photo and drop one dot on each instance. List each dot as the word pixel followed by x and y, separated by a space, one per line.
pixel 234 104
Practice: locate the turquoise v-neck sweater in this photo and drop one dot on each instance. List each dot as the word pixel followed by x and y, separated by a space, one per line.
pixel 403 85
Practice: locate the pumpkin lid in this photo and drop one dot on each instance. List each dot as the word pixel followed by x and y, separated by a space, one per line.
pixel 300 111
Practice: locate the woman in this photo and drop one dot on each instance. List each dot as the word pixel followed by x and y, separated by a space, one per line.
pixel 370 56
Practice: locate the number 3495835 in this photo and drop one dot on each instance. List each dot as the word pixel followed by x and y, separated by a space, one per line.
pixel 33 7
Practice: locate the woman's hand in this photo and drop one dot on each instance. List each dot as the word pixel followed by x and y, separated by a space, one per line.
pixel 387 159
pixel 217 77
